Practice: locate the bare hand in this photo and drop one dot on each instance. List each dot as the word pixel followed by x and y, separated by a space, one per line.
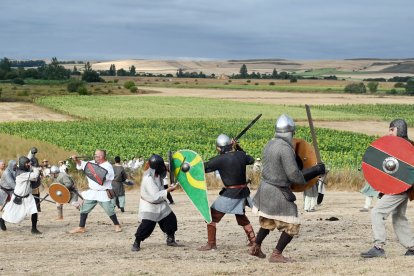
pixel 172 187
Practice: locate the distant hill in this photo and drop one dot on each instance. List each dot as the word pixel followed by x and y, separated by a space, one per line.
pixel 403 67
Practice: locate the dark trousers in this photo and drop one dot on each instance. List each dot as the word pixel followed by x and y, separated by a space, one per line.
pixel 242 220
pixel 168 225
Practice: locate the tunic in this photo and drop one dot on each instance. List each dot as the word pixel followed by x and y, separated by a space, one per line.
pixel 15 213
pixel 232 169
pixel 153 205
pixel 117 183
pixel 274 198
pixel 98 192
pixel 7 183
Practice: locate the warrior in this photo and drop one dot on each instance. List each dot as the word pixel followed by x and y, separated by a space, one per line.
pixel 231 164
pixel 153 206
pixel 63 178
pixel 118 184
pixel 274 201
pixel 7 183
pixel 396 205
pixel 99 189
pixel 22 201
pixel 36 183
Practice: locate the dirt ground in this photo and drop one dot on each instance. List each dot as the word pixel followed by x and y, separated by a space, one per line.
pixel 19 111
pixel 322 248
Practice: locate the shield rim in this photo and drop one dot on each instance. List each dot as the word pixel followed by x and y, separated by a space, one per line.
pixel 57 198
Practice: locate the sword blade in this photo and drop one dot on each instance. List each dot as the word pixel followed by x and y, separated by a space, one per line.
pixel 44 199
pixel 247 128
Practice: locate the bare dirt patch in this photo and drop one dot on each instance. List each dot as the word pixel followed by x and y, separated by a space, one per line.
pixel 19 111
pixel 322 248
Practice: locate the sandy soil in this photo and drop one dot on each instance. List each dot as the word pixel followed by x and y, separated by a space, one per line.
pixel 322 248
pixel 18 111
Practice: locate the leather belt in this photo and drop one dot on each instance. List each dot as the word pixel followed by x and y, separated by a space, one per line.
pixel 241 186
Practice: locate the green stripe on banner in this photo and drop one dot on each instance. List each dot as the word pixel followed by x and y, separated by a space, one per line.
pixel 375 158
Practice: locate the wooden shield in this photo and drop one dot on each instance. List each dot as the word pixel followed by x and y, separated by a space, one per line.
pixel 59 193
pixel 306 156
pixel 192 180
pixel 388 165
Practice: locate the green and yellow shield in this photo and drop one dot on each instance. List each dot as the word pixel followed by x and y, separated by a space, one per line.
pixel 188 169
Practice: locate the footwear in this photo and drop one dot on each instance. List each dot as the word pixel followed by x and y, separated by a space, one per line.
pixel 277 257
pixel 3 225
pixel 35 231
pixel 251 237
pixel 136 246
pixel 118 228
pixel 122 209
pixel 256 250
pixel 211 239
pixel 410 252
pixel 171 241
pixel 364 210
pixel 77 230
pixel 373 252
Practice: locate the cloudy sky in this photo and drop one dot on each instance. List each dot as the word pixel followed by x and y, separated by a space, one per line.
pixel 208 29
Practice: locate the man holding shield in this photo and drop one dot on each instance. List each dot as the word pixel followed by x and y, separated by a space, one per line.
pixel 274 201
pixel 99 174
pixel 394 204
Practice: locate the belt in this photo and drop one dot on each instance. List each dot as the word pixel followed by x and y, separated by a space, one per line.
pixel 241 186
pixel 21 196
pixel 6 190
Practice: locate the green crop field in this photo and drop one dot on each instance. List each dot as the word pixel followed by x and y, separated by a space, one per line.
pixel 120 107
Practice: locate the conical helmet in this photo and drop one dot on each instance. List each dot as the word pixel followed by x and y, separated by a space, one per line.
pixel 284 124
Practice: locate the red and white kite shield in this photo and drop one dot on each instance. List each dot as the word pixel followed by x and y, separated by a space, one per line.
pixel 388 165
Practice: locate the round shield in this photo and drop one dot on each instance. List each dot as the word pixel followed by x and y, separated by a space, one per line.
pixel 59 193
pixel 388 165
pixel 306 158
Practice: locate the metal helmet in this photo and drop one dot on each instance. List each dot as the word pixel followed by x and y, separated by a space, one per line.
pixel 224 143
pixel 157 163
pixel 223 140
pixel 401 126
pixel 54 169
pixel 22 163
pixel 284 124
pixel 33 150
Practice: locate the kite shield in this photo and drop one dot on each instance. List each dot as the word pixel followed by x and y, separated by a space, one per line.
pixel 388 165
pixel 95 172
pixel 306 158
pixel 188 169
pixel 59 193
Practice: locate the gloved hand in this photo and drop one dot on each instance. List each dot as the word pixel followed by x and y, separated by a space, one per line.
pixel 314 171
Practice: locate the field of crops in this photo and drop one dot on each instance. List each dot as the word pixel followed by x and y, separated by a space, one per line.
pixel 134 137
pixel 123 107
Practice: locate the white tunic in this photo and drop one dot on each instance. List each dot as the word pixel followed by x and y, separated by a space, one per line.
pixel 153 205
pixel 98 192
pixel 14 213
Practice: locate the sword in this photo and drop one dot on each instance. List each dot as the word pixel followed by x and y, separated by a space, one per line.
pixel 4 205
pixel 44 199
pixel 77 193
pixel 247 128
pixel 313 133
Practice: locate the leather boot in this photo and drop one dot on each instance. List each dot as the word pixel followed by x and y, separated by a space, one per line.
pixel 277 257
pixel 256 250
pixel 136 246
pixel 248 229
pixel 211 237
pixel 171 240
pixel 3 225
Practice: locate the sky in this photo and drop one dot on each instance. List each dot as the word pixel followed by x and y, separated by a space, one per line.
pixel 208 29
